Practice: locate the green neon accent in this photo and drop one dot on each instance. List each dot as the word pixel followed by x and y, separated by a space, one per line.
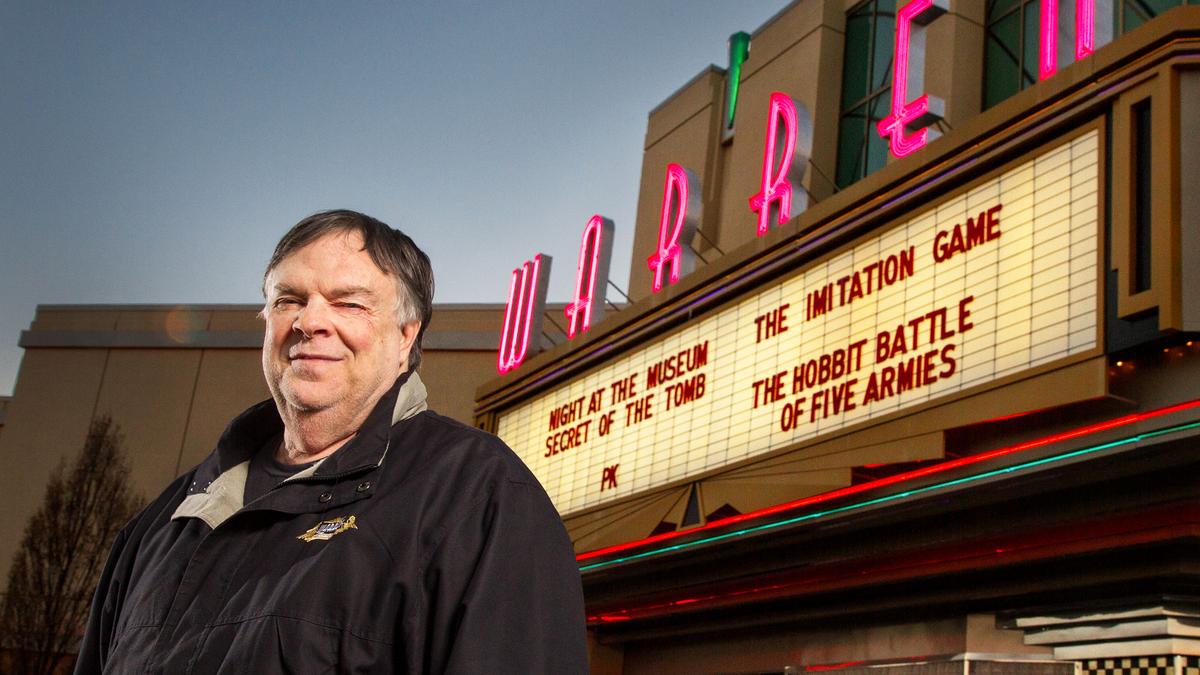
pixel 739 51
pixel 900 495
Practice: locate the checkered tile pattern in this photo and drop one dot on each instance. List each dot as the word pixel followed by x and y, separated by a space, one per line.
pixel 1144 665
pixel 1191 665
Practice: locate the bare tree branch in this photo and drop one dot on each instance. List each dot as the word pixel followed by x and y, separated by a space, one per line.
pixel 62 552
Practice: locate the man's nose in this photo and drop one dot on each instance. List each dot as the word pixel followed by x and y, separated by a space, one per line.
pixel 312 319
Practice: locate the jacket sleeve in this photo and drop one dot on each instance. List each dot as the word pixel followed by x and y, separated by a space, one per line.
pixel 504 592
pixel 97 638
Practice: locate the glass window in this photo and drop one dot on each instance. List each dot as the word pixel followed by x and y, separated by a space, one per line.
pixel 1143 162
pixel 1010 49
pixel 1133 13
pixel 866 89
pixel 1012 35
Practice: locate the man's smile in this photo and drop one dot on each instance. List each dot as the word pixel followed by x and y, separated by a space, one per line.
pixel 306 356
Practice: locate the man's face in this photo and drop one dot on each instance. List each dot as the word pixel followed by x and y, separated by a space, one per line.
pixel 332 337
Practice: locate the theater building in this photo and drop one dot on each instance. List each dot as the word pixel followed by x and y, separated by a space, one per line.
pixel 927 398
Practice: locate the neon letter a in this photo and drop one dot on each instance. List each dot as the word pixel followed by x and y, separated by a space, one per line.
pixel 591 277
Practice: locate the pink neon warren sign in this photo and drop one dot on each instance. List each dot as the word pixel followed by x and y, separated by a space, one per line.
pixel 676 226
pixel 591 277
pixel 912 108
pixel 523 315
pixel 1088 31
pixel 789 128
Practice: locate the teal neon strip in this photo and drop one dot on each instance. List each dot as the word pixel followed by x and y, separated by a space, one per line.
pixel 900 495
pixel 739 51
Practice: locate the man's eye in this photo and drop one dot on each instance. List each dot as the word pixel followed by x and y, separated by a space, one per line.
pixel 286 302
pixel 351 305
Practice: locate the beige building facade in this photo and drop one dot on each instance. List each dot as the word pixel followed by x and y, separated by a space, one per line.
pixel 4 401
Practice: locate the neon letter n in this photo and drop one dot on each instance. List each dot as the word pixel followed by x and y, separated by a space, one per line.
pixel 1093 20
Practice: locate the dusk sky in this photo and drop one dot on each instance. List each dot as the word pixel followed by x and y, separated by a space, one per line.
pixel 153 152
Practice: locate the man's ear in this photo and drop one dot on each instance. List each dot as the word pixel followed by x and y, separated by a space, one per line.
pixel 408 337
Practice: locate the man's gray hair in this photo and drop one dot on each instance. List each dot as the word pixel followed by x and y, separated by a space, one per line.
pixel 391 250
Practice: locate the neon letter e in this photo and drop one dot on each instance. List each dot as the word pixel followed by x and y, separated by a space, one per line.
pixel 908 80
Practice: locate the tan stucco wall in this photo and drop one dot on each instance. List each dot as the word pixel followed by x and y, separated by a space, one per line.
pixel 172 378
pixel 3 411
pixel 452 378
pixel 228 381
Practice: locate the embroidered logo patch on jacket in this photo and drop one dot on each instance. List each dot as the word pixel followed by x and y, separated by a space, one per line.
pixel 326 529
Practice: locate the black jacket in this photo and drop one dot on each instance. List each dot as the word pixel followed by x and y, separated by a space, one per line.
pixel 421 546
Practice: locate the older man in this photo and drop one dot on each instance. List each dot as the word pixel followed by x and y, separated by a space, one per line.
pixel 341 526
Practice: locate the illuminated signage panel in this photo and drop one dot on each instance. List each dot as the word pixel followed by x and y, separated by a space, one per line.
pixel 987 283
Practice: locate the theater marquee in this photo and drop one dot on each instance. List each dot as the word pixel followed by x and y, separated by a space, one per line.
pixel 990 282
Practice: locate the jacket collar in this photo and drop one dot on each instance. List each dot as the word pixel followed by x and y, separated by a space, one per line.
pixel 220 480
pixel 252 429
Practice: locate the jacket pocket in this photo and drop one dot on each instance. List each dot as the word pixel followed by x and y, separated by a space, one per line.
pixel 268 644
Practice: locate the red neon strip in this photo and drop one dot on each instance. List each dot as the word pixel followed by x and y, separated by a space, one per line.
pixel 1131 530
pixel 898 478
pixel 834 666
